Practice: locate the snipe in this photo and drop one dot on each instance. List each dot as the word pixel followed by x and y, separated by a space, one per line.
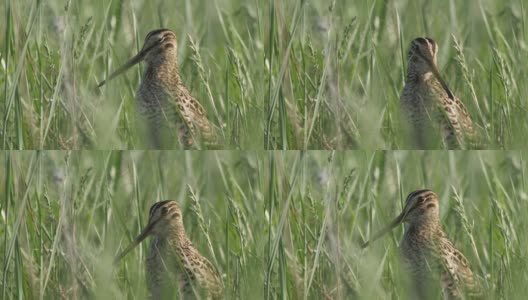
pixel 433 112
pixel 172 259
pixel 171 113
pixel 428 256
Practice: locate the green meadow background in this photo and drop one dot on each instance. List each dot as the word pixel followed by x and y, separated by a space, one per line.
pixel 274 74
pixel 53 54
pixel 278 225
pixel 337 69
pixel 65 215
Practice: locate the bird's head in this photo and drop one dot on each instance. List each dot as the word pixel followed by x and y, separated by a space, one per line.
pixel 422 61
pixel 159 45
pixel 423 51
pixel 164 216
pixel 421 206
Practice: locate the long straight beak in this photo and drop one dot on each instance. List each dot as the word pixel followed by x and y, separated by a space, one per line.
pixel 396 222
pixel 436 72
pixel 136 242
pixel 134 60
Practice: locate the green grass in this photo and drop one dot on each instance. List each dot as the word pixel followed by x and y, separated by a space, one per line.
pixel 273 74
pixel 327 203
pixel 282 225
pixel 337 69
pixel 64 216
pixel 53 54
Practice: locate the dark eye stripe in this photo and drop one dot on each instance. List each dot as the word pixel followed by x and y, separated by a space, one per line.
pixel 168 33
pixel 153 32
pixel 415 193
pixel 171 207
pixel 156 206
pixel 153 208
pixel 175 214
pixel 425 196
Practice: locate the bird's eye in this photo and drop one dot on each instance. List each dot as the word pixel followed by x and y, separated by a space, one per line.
pixel 164 210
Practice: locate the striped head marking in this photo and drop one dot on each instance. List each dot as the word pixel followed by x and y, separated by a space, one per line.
pixel 163 212
pixel 420 204
pixel 158 44
pixel 422 59
pixel 162 215
pixel 424 49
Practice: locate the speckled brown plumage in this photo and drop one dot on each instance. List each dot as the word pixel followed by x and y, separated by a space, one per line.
pixel 433 113
pixel 428 256
pixel 173 265
pixel 171 113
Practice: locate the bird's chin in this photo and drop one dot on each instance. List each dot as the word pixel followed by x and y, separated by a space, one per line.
pixel 159 59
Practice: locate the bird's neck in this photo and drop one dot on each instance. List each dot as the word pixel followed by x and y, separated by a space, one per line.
pixel 164 68
pixel 426 228
pixel 417 75
pixel 418 71
pixel 175 237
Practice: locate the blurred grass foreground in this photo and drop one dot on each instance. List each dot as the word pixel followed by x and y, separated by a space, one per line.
pixel 276 224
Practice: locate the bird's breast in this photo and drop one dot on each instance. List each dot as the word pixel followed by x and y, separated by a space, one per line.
pixel 153 100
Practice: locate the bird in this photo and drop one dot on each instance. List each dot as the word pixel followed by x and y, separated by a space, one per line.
pixel 172 259
pixel 163 101
pixel 428 256
pixel 431 110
